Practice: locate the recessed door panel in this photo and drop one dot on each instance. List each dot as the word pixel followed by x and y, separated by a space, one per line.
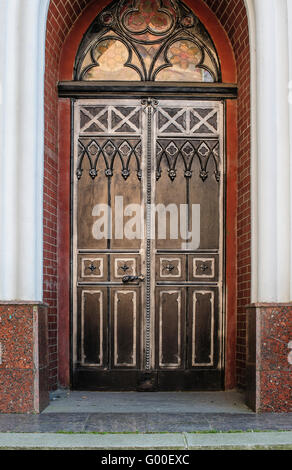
pixel 170 328
pixel 126 325
pixel 92 338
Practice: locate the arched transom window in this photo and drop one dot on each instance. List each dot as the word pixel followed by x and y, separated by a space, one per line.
pixel 147 40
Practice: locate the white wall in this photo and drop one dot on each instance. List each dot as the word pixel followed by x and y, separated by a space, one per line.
pixel 22 48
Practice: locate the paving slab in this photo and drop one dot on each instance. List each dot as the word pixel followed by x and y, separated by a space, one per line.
pixel 247 441
pixel 147 422
pixel 13 441
pixel 180 441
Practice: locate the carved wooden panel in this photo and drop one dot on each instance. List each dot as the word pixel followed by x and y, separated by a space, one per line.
pixel 170 325
pixel 204 267
pixel 124 265
pixel 91 307
pixel 170 268
pixel 92 267
pixel 126 322
pixel 204 318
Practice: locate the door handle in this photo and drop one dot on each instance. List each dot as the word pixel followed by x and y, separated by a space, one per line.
pixel 127 279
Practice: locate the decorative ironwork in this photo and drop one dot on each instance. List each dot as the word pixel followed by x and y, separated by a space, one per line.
pixel 127 279
pixel 170 267
pixel 152 102
pixel 108 151
pixel 92 268
pixel 113 120
pixel 147 40
pixel 124 268
pixel 204 267
pixel 188 121
pixel 171 151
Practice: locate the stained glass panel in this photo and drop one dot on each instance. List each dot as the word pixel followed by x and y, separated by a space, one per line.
pixel 147 40
pixel 111 56
pixel 147 17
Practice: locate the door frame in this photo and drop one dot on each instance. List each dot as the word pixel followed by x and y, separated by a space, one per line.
pixel 218 92
pixel 229 70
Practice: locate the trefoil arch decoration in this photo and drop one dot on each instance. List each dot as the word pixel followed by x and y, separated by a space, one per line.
pixel 147 40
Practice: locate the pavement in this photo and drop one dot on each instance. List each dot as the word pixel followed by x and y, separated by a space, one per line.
pixel 169 441
pixel 136 421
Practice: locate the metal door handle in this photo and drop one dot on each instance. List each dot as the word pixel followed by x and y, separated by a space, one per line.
pixel 127 279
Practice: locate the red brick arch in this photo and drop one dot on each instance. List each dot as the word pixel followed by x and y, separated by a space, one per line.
pixel 226 21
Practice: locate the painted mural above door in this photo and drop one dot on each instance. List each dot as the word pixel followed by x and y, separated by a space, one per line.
pixel 147 40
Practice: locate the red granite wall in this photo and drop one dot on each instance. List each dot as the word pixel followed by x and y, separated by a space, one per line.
pixel 269 365
pixel 23 358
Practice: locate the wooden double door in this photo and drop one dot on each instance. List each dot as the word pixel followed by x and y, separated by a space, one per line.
pixel 148 238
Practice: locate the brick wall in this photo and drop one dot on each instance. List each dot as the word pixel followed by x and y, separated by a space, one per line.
pixel 62 15
pixel 233 17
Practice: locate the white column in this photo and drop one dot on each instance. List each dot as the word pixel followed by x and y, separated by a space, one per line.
pixel 289 4
pixel 249 5
pixel 271 187
pixel 22 49
pixel 21 148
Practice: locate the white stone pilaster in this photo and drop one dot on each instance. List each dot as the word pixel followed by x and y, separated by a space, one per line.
pixel 22 50
pixel 271 186
pixel 249 5
pixel 289 16
pixel 21 148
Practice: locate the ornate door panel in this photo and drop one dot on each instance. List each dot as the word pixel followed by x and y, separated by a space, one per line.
pixel 107 311
pixel 188 277
pixel 147 245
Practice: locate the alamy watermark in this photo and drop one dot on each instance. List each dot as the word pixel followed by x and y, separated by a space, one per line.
pixel 172 222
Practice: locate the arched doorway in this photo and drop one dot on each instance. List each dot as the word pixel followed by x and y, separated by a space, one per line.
pixel 61 51
pixel 148 310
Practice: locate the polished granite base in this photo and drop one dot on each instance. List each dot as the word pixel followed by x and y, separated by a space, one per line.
pixel 268 368
pixel 24 357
